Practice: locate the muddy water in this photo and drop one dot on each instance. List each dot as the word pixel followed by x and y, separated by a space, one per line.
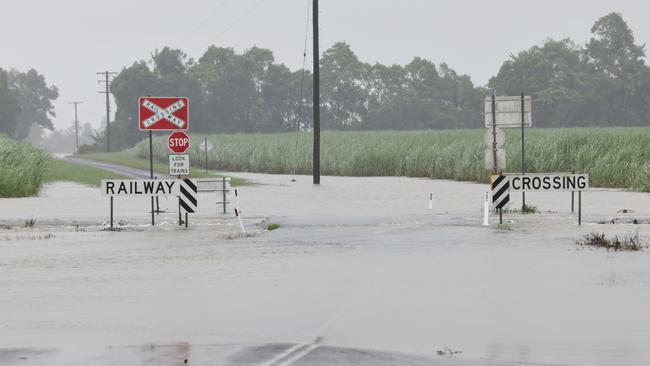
pixel 360 262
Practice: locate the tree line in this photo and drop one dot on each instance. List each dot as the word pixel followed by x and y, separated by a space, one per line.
pixel 604 82
pixel 250 92
pixel 25 103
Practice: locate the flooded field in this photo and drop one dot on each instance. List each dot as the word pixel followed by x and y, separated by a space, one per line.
pixel 359 272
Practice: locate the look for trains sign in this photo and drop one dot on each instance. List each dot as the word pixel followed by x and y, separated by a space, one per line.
pixel 164 113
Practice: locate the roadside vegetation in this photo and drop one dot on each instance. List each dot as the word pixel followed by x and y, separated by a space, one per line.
pixel 614 157
pixel 22 167
pixel 59 170
pixel 629 242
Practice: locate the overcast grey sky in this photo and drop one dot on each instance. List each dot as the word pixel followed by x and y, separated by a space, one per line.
pixel 70 40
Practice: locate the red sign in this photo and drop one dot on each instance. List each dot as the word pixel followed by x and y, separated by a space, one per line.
pixel 179 142
pixel 164 113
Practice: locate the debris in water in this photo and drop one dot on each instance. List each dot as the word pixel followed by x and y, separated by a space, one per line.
pixel 630 242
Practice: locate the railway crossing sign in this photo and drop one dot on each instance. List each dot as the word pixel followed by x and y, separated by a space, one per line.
pixel 163 113
pixel 179 164
pixel 140 187
pixel 501 185
pixel 178 142
pixel 556 182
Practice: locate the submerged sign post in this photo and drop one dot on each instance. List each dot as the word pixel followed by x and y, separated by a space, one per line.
pixel 506 112
pixel 185 189
pixel 502 185
pixel 163 114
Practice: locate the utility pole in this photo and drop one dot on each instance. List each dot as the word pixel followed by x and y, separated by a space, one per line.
pixel 107 80
pixel 76 126
pixel 316 153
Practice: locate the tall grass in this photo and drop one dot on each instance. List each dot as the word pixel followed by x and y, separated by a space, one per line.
pixel 22 167
pixel 614 157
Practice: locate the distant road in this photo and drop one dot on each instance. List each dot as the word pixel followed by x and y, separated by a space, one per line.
pixel 114 168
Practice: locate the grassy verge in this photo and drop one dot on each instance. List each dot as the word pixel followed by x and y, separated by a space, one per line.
pixel 131 159
pixel 614 157
pixel 22 167
pixel 59 170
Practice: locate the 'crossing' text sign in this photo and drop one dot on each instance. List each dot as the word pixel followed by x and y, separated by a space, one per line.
pixel 548 182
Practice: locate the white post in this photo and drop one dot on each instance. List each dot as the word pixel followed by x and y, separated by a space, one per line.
pixel 486 209
pixel 238 212
pixel 431 201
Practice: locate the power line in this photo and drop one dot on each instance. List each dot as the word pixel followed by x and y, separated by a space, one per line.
pixel 202 23
pixel 76 126
pixel 107 80
pixel 239 19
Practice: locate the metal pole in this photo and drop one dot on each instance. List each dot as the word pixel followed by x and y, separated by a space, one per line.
pixel 76 126
pixel 76 130
pixel 494 136
pixel 572 196
pixel 501 216
pixel 186 219
pixel 224 194
pixel 180 218
pixel 523 161
pixel 108 116
pixel 205 142
pixel 107 75
pixel 153 220
pixel 316 152
pixel 579 207
pixel 111 212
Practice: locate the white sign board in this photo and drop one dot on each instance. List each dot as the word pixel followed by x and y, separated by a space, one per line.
pixel 179 164
pixel 140 187
pixel 490 136
pixel 548 182
pixel 489 159
pixel 508 111
pixel 205 147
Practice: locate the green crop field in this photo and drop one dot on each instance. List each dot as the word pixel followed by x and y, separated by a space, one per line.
pixel 22 166
pixel 614 157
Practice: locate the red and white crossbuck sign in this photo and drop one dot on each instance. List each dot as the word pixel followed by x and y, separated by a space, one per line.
pixel 164 113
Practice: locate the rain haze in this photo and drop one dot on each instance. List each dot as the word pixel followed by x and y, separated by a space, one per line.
pixel 438 183
pixel 69 41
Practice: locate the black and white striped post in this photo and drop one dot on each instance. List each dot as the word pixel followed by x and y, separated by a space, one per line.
pixel 188 198
pixel 500 187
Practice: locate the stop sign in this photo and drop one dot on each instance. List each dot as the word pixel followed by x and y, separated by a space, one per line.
pixel 179 142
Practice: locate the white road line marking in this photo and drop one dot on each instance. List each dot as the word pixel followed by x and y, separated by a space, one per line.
pixel 298 355
pixel 300 350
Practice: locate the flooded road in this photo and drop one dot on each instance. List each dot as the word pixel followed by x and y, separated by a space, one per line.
pixel 359 272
